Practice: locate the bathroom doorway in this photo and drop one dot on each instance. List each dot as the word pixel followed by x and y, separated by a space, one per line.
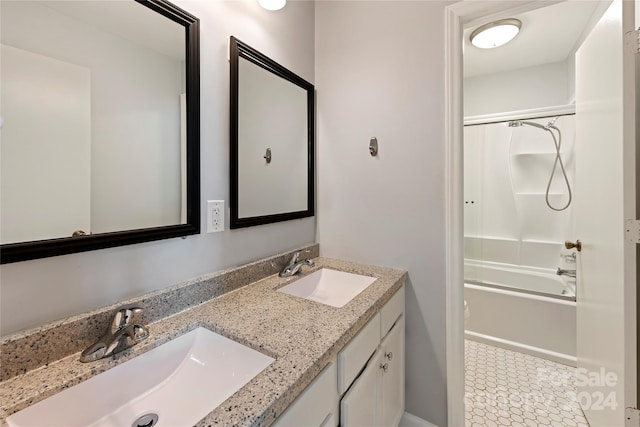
pixel 510 237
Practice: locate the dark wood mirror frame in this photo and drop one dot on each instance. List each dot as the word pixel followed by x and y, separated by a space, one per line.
pixel 23 251
pixel 239 50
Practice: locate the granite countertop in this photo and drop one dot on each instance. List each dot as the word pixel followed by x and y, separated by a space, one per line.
pixel 303 336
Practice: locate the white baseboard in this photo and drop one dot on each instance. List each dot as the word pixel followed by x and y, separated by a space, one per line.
pixel 565 359
pixel 410 420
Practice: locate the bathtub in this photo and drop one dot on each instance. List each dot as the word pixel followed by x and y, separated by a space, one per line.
pixel 525 309
pixel 539 281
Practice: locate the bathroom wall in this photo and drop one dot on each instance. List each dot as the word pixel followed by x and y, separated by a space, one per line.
pixel 379 72
pixel 523 89
pixel 39 291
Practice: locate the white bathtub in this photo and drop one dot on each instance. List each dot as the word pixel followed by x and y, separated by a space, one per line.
pixel 529 279
pixel 521 320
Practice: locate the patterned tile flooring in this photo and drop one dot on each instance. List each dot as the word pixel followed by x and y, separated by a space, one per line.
pixel 506 388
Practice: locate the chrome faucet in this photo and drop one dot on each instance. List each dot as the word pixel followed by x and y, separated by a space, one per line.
pixel 569 273
pixel 121 335
pixel 294 265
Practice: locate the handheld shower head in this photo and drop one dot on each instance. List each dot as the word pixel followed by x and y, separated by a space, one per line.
pixel 520 123
pixel 552 122
pixel 549 127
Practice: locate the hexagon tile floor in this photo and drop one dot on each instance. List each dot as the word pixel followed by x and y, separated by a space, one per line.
pixel 506 388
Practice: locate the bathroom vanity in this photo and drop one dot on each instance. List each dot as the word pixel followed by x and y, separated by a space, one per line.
pixel 331 365
pixel 369 373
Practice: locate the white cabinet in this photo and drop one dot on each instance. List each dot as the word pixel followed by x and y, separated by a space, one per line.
pixel 317 406
pixel 357 352
pixel 369 374
pixel 392 376
pixel 359 407
pixel 376 397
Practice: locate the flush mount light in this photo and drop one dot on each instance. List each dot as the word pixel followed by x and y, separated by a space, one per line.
pixel 495 33
pixel 272 4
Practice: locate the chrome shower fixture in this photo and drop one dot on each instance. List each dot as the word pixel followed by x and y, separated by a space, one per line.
pixel 550 127
pixel 519 123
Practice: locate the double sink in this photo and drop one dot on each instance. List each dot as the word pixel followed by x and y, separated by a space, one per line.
pixel 179 382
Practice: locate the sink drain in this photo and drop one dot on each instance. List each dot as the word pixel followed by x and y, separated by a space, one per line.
pixel 147 420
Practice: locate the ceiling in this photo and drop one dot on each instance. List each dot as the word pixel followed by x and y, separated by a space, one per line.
pixel 548 34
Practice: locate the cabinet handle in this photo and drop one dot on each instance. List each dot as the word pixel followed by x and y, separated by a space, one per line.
pixel 389 355
pixel 384 367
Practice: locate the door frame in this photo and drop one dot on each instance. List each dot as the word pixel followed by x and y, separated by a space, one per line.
pixel 457 16
pixel 631 134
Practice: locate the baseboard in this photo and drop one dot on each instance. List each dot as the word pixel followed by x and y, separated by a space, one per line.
pixel 410 420
pixel 565 359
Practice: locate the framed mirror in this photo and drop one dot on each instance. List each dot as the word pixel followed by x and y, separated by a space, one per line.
pixel 100 130
pixel 272 140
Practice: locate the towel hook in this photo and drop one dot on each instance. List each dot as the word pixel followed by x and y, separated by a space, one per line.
pixel 373 146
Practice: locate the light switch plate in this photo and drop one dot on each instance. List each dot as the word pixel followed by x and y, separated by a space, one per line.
pixel 215 216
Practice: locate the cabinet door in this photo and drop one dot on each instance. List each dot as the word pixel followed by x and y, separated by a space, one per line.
pixel 317 405
pixel 359 406
pixel 392 383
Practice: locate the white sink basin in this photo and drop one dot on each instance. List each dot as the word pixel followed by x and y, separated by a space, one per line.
pixel 180 381
pixel 331 287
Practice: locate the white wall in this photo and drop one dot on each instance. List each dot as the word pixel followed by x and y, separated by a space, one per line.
pixel 571 79
pixel 379 72
pixel 38 291
pixel 526 88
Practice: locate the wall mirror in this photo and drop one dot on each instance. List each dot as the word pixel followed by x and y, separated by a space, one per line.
pixel 100 125
pixel 272 140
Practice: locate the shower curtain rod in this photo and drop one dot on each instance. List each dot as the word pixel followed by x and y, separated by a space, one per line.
pixel 538 113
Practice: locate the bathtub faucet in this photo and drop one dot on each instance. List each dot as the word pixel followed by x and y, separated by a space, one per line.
pixel 562 272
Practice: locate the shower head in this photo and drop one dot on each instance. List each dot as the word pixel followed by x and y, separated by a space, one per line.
pixel 520 123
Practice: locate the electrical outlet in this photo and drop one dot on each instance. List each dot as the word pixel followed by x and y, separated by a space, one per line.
pixel 215 216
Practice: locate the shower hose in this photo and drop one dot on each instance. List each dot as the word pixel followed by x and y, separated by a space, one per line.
pixel 557 143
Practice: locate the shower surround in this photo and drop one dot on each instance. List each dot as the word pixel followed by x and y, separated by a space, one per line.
pixel 514 240
pixel 506 217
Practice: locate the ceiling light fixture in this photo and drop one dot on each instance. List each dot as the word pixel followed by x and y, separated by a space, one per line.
pixel 495 33
pixel 272 4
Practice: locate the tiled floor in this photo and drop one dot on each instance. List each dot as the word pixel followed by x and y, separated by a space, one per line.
pixel 505 388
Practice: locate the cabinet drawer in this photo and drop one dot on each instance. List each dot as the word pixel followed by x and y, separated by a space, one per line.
pixel 391 311
pixel 353 357
pixel 315 406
